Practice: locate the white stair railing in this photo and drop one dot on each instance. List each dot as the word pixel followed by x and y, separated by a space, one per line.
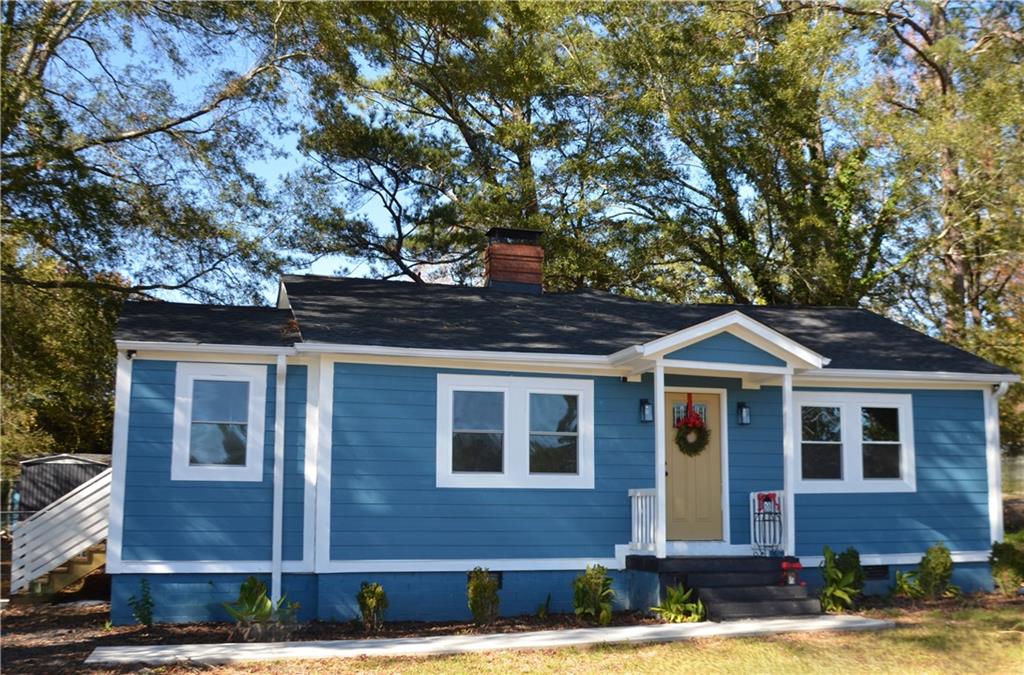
pixel 62 530
pixel 643 508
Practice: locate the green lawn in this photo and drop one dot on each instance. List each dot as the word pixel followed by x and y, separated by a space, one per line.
pixel 977 636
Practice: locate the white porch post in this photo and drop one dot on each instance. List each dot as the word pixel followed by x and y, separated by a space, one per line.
pixel 659 460
pixel 789 467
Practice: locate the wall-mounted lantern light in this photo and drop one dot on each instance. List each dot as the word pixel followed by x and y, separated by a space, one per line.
pixel 646 410
pixel 742 413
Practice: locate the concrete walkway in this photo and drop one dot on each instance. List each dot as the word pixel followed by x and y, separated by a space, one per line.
pixel 462 644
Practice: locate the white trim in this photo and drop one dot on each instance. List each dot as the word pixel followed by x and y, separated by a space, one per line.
pixel 310 463
pixel 516 433
pixel 723 544
pixel 903 375
pixel 615 363
pixel 186 374
pixel 660 463
pixel 993 461
pixel 852 442
pixel 790 468
pixel 459 354
pixel 277 532
pixel 466 564
pixel 680 364
pixel 707 548
pixel 323 465
pixel 210 567
pixel 900 558
pixel 140 345
pixel 743 327
pixel 119 461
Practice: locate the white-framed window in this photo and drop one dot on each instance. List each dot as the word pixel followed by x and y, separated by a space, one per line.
pixel 514 432
pixel 219 412
pixel 854 442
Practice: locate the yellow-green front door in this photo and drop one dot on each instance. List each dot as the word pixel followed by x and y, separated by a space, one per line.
pixel 694 484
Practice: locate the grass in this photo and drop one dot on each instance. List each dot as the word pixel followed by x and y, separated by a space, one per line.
pixel 971 636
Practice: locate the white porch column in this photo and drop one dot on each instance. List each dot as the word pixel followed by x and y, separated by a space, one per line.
pixel 789 467
pixel 659 460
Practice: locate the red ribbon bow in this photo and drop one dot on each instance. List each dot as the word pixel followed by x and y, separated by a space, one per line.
pixel 692 419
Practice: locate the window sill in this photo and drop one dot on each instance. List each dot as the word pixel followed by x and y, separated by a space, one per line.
pixel 501 481
pixel 853 487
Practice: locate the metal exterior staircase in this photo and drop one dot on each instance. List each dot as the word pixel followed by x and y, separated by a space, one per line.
pixel 61 544
pixel 732 587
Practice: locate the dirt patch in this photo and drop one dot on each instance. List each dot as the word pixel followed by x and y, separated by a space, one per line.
pixel 56 638
pixel 1013 514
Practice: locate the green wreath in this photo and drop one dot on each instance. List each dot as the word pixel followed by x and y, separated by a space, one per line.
pixel 692 439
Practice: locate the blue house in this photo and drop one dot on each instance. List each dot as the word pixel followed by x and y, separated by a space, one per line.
pixel 406 433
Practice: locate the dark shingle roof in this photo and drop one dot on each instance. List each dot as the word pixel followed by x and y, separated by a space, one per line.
pixel 433 316
pixel 207 324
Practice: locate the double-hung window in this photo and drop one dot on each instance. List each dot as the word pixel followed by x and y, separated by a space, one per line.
pixel 514 432
pixel 219 412
pixel 854 442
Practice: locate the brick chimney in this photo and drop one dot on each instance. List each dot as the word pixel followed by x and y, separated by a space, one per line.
pixel 514 260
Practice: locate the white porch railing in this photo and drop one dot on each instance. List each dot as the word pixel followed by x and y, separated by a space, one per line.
pixel 645 517
pixel 62 530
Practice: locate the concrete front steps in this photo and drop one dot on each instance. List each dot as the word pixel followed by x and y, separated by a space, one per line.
pixel 740 587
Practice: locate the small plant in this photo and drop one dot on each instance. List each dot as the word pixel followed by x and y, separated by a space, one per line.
pixel 592 595
pixel 935 571
pixel 373 603
pixel 257 617
pixel 906 585
pixel 482 593
pixel 544 608
pixel 677 607
pixel 108 625
pixel 1007 562
pixel 849 561
pixel 838 593
pixel 142 606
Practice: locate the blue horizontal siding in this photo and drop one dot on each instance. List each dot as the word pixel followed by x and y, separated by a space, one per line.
pixel 384 503
pixel 951 501
pixel 206 520
pixel 726 348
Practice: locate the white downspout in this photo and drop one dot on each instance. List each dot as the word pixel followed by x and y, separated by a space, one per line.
pixel 993 455
pixel 278 504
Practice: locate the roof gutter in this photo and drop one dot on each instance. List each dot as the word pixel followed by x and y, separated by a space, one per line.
pixel 204 347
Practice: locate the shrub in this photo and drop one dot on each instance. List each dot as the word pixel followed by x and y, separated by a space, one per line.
pixel 142 606
pixel 838 593
pixel 935 571
pixel 259 619
pixel 1007 562
pixel 592 595
pixel 544 609
pixel 373 602
pixel 677 607
pixel 906 585
pixel 482 593
pixel 849 561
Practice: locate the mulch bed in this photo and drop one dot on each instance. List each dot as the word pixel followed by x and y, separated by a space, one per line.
pixel 57 637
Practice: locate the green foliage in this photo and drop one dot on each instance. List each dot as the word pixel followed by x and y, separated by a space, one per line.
pixel 482 593
pixel 839 592
pixel 849 562
pixel 142 606
pixel 935 571
pixel 1007 560
pixel 677 607
pixel 257 617
pixel 907 586
pixel 373 603
pixel 592 595
pixel 544 608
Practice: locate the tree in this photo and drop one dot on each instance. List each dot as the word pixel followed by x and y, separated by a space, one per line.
pixel 112 166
